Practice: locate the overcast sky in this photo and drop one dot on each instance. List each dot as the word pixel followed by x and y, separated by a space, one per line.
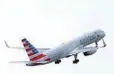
pixel 48 23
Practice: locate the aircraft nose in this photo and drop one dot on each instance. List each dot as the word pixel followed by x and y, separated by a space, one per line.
pixel 102 33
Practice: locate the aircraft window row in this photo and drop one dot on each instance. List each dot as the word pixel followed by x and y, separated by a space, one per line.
pixel 87 40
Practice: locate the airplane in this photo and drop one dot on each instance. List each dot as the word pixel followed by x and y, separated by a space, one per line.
pixel 42 56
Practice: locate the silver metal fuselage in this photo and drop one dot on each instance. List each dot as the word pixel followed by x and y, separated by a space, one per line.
pixel 64 49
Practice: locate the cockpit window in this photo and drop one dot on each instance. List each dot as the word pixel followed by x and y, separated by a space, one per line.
pixel 97 34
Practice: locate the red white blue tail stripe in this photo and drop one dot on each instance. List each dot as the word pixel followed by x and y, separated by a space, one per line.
pixel 32 52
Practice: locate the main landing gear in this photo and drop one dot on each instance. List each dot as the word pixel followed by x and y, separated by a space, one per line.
pixel 75 60
pixel 58 61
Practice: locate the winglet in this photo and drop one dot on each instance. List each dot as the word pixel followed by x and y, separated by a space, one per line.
pixel 12 47
pixel 6 44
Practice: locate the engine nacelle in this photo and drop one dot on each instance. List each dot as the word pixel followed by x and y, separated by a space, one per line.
pixel 90 52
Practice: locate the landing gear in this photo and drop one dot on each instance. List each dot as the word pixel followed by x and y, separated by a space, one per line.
pixel 75 60
pixel 57 62
pixel 104 44
pixel 96 44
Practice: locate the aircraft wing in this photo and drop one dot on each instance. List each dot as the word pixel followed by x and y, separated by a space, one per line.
pixel 40 49
pixel 82 49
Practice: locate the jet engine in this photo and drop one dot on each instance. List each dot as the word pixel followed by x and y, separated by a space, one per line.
pixel 90 52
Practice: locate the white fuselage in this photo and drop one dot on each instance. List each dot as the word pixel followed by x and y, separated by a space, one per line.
pixel 64 49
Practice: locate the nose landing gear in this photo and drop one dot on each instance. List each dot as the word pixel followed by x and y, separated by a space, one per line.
pixel 104 44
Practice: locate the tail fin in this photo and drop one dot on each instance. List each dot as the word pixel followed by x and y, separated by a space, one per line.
pixel 32 52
